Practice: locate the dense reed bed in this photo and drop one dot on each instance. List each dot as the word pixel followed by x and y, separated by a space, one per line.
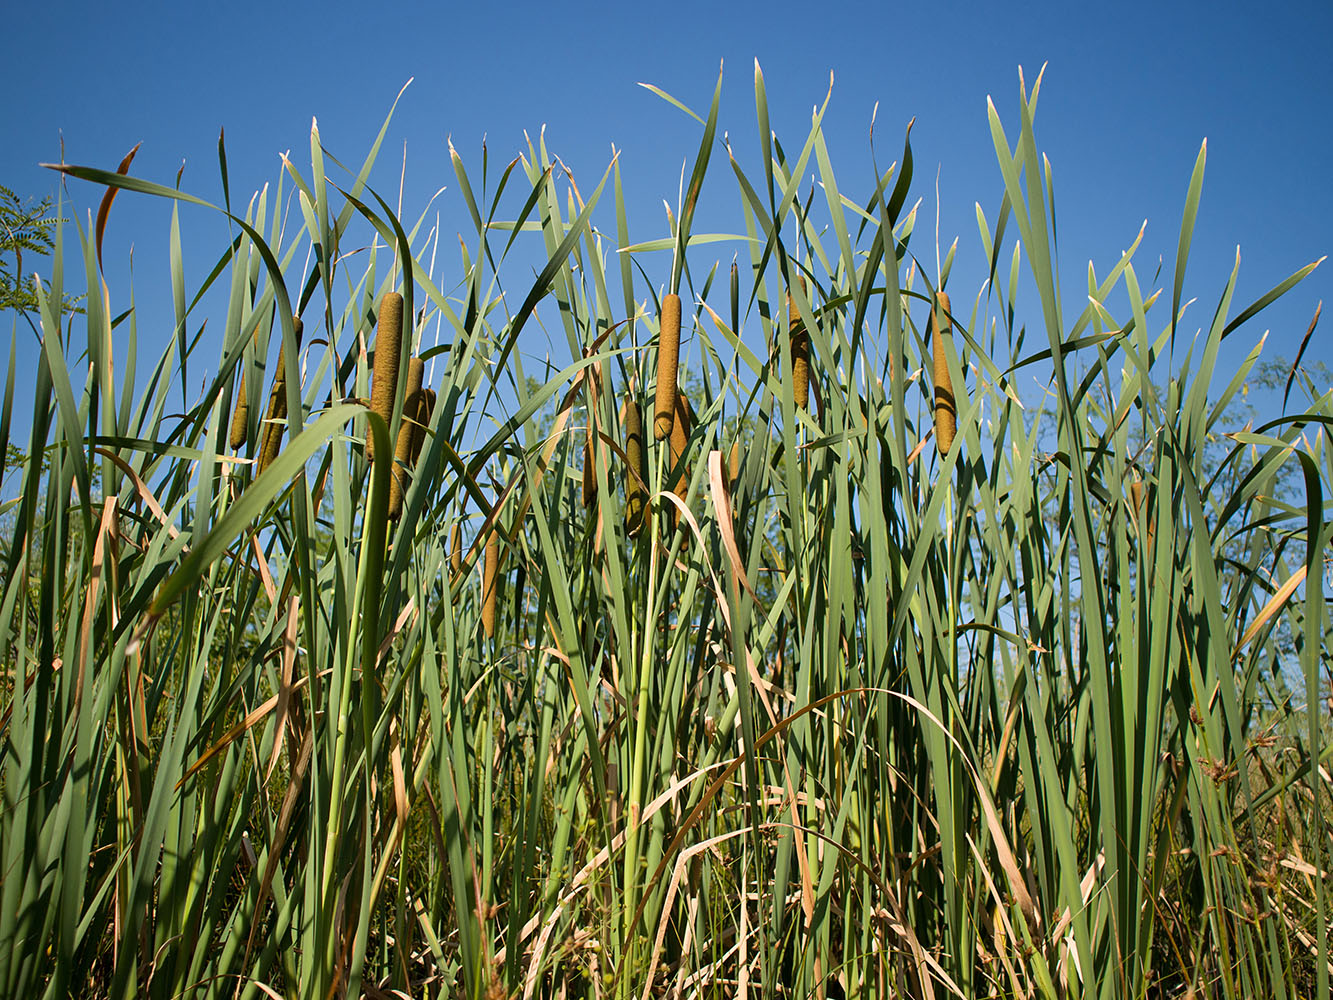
pixel 863 674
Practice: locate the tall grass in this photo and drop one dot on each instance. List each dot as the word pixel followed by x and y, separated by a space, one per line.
pixel 1040 711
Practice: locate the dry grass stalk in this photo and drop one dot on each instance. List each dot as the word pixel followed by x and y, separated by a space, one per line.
pixel 388 346
pixel 668 357
pixel 277 406
pixel 946 410
pixel 800 351
pixel 402 454
pixel 631 420
pixel 489 576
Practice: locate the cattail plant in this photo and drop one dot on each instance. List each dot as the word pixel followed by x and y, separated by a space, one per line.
pixel 946 410
pixel 277 407
pixel 668 356
pixel 388 344
pixel 734 464
pixel 800 350
pixel 401 478
pixel 631 420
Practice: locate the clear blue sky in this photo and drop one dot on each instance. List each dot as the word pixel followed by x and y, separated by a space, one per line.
pixel 1130 92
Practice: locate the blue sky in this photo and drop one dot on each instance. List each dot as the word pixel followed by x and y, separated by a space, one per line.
pixel 1129 93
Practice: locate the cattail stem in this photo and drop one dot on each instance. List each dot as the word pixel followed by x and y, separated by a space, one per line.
pixel 668 357
pixel 946 410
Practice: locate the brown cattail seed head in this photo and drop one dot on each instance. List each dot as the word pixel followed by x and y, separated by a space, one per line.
pixel 668 355
pixel 416 372
pixel 734 464
pixel 680 437
pixel 589 474
pixel 800 351
pixel 456 549
pixel 489 577
pixel 240 419
pixel 388 346
pixel 631 418
pixel 946 409
pixel 400 475
pixel 425 410
pixel 271 439
pixel 402 454
pixel 240 416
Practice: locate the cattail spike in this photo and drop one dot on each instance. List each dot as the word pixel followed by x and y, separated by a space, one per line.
pixel 271 439
pixel 589 474
pixel 402 454
pixel 400 475
pixel 800 351
pixel 416 373
pixel 240 419
pixel 680 437
pixel 668 357
pixel 946 409
pixel 734 464
pixel 489 576
pixel 1138 496
pixel 631 420
pixel 388 347
pixel 456 549
pixel 735 298
pixel 425 410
